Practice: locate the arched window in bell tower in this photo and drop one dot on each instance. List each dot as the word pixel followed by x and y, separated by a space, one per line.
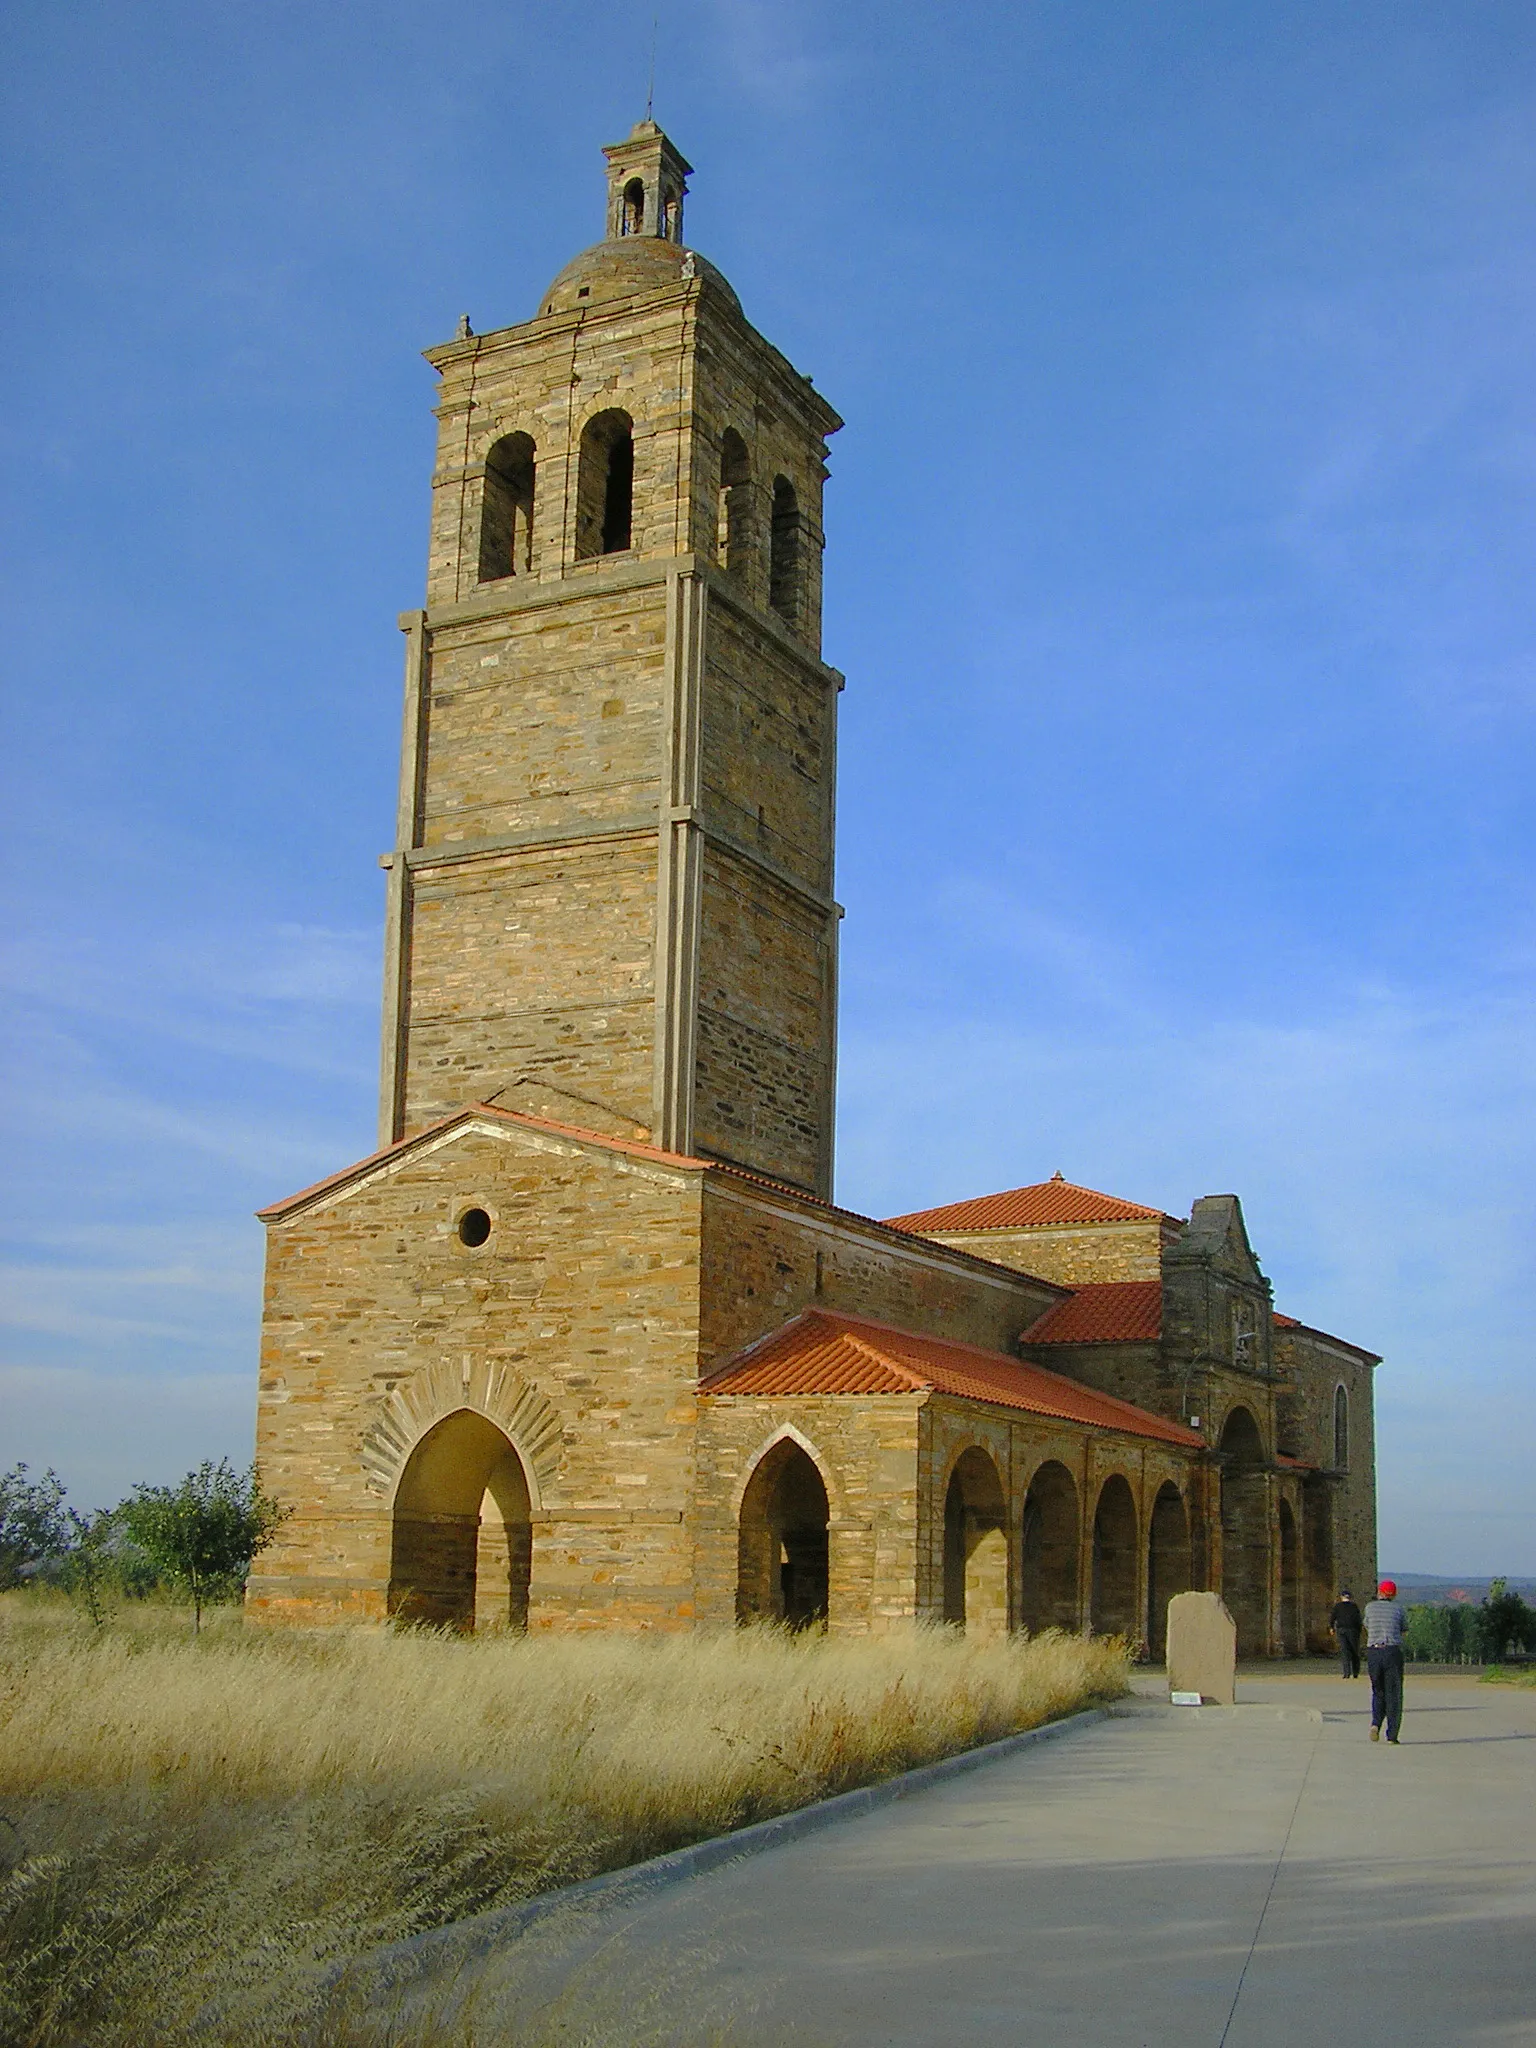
pixel 605 486
pixel 784 552
pixel 734 542
pixel 632 217
pixel 506 511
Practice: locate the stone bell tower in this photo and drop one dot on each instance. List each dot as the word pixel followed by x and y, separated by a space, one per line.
pixel 610 897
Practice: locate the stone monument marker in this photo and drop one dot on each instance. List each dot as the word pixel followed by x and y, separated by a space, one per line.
pixel 1202 1648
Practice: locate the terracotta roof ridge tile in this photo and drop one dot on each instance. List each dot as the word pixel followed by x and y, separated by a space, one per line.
pixel 1036 1205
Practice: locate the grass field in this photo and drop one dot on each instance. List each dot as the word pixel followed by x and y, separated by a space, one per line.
pixel 195 1832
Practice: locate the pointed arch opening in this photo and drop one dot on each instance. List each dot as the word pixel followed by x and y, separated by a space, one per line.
pixel 783 1558
pixel 1114 1560
pixel 784 552
pixel 975 1546
pixel 1048 1553
pixel 1245 1532
pixel 462 1535
pixel 506 510
pixel 1168 1562
pixel 605 486
pixel 733 537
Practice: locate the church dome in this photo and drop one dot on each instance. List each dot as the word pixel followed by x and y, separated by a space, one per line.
pixel 624 267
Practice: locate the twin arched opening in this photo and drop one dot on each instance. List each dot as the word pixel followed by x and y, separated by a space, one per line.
pixel 734 535
pixel 462 1536
pixel 605 485
pixel 784 552
pixel 506 510
pixel 783 1558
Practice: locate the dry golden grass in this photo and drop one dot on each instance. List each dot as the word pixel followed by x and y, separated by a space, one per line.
pixel 214 1823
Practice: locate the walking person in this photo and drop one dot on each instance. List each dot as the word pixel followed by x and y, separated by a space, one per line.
pixel 1385 1626
pixel 1346 1621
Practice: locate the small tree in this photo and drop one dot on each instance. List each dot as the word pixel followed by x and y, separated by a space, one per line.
pixel 90 1567
pixel 32 1522
pixel 1505 1621
pixel 204 1532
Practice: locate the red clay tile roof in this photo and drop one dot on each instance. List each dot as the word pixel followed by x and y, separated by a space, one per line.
pixel 1103 1312
pixel 820 1352
pixel 1031 1208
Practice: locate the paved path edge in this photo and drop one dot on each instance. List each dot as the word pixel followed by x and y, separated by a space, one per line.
pixel 466 1941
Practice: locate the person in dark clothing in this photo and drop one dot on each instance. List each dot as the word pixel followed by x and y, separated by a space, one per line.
pixel 1347 1621
pixel 1385 1626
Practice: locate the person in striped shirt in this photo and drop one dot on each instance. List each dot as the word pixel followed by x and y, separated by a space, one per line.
pixel 1385 1626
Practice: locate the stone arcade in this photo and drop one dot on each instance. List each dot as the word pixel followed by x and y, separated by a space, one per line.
pixel 586 1343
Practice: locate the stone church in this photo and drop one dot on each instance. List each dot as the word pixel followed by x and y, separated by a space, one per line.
pixel 586 1343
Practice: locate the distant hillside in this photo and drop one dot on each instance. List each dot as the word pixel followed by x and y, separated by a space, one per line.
pixel 1417 1589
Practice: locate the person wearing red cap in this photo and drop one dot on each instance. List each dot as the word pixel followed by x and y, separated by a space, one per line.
pixel 1385 1626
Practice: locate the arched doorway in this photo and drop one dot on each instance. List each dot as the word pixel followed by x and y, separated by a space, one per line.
pixel 1245 1532
pixel 1114 1560
pixel 1292 1640
pixel 1168 1571
pixel 782 1552
pixel 976 1546
pixel 463 1534
pixel 1048 1555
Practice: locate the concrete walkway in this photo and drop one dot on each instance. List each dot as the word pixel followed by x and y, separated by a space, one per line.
pixel 1206 1878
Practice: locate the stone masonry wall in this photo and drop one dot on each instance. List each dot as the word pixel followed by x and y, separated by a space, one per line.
pixel 539 961
pixel 573 1328
pixel 763 1058
pixel 766 1257
pixel 866 1450
pixel 1072 1255
pixel 1310 1369
pixel 545 715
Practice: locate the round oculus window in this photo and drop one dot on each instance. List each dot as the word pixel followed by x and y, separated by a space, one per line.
pixel 474 1227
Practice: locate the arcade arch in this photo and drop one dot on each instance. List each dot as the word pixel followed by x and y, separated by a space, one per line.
pixel 976 1546
pixel 1049 1550
pixel 1168 1562
pixel 1114 1560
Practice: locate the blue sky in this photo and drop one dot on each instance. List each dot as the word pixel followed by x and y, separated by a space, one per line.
pixel 1179 558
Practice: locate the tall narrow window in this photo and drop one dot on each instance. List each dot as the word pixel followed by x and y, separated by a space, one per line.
pixel 733 540
pixel 784 552
pixel 605 486
pixel 1340 1430
pixel 632 218
pixel 506 511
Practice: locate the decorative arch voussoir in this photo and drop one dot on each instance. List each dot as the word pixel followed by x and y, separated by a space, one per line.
pixel 417 1404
